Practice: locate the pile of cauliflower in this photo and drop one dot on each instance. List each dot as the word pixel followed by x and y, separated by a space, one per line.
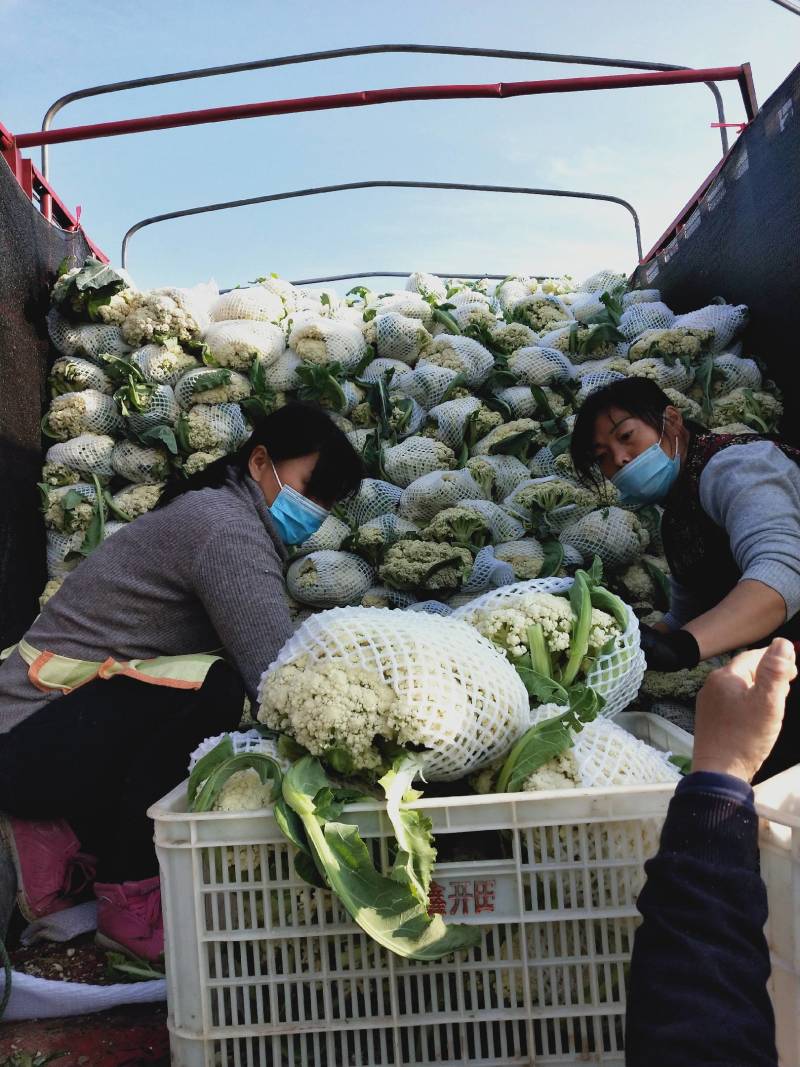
pixel 460 396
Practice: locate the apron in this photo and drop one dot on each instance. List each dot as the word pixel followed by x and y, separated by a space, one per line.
pixel 49 672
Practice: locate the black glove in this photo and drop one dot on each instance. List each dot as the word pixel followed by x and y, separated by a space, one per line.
pixel 674 651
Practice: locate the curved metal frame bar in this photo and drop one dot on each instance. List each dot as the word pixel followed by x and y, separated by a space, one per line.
pixel 377 184
pixel 365 50
pixel 400 274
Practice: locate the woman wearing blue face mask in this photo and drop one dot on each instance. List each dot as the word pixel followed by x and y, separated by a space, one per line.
pixel 151 645
pixel 730 528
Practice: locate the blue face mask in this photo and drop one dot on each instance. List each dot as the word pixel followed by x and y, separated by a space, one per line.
pixel 648 478
pixel 295 516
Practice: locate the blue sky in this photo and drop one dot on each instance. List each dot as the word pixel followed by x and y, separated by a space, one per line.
pixel 650 146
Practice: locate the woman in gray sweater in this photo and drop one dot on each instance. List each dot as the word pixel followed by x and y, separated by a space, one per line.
pixel 147 648
pixel 730 528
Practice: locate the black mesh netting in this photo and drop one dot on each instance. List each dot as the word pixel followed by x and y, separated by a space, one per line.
pixel 30 252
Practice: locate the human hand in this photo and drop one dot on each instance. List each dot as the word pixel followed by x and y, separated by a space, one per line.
pixel 740 710
pixel 674 650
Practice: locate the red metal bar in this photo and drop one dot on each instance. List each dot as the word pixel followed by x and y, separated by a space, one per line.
pixel 383 96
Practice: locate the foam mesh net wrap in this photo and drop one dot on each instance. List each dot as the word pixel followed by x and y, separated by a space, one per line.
pixel 733 372
pixel 641 296
pixel 432 607
pixel 236 343
pixel 615 675
pixel 373 498
pixel 323 340
pixel 607 755
pixel 282 373
pixel 488 572
pixel 427 285
pixel 217 426
pixel 521 401
pixel 648 316
pixel 379 368
pixel 160 364
pixel 329 536
pixel 525 557
pixel 89 340
pixel 75 374
pixel 726 320
pixel 431 493
pixel 409 304
pixel 498 475
pixel 329 579
pixel 450 419
pixel 255 303
pixel 587 306
pixel 503 525
pixel 678 376
pixel 88 453
pixel 590 383
pixel 139 463
pixel 96 411
pixel 381 596
pixel 188 390
pixel 601 281
pixel 451 691
pixel 510 292
pixel 463 354
pixel 613 534
pixel 470 298
pixel 543 464
pixel 426 383
pixel 243 741
pixel 399 337
pixel 615 364
pixel 59 546
pixel 415 456
pixel 162 410
pixel 540 366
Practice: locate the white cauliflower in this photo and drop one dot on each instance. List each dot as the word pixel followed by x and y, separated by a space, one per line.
pixel 70 508
pixel 525 557
pixel 618 537
pixel 321 340
pixel 680 342
pixel 688 408
pixel 462 354
pixel 71 374
pixel 89 411
pixel 244 791
pixel 507 337
pixel 205 385
pixel 762 411
pixel 163 364
pixel 237 343
pixel 459 525
pixel 198 461
pixel 517 437
pixel 135 500
pixel 157 315
pixel 507 626
pixel 208 428
pixel 428 566
pixel 558 773
pixel 59 474
pixel 119 307
pixel 414 457
pixel 539 311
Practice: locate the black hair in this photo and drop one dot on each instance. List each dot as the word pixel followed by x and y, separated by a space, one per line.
pixel 640 397
pixel 294 430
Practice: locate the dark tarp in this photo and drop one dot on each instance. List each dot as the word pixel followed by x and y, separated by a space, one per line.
pixel 742 242
pixel 31 250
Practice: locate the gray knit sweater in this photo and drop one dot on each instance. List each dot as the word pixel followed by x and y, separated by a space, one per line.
pixel 202 573
pixel 753 492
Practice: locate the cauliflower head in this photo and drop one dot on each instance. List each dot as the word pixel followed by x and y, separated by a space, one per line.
pixel 425 565
pixel 681 342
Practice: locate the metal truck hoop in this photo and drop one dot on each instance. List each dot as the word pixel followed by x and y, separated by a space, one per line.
pixel 365 50
pixel 378 184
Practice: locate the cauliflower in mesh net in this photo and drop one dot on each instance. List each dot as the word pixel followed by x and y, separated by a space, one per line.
pixel 462 354
pixel 208 428
pixel 119 307
pixel 416 456
pixel 59 474
pixel 542 495
pixel 639 583
pixel 206 385
pixel 516 438
pixel 680 342
pixel 582 342
pixel 71 374
pixel 459 525
pixel 507 337
pixel 72 414
pixel 135 500
pixel 689 408
pixel 70 508
pixel 507 626
pixel 526 557
pixel 163 364
pixel 762 411
pixel 321 340
pixel 198 461
pixel 618 537
pixel 425 565
pixel 157 315
pixel 497 475
pixel 540 311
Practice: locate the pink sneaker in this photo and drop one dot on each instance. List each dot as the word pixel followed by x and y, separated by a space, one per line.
pixel 51 869
pixel 129 917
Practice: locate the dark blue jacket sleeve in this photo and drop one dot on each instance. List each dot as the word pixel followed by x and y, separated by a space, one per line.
pixel 698 979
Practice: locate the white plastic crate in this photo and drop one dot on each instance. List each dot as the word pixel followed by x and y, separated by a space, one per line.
pixel 778 804
pixel 263 969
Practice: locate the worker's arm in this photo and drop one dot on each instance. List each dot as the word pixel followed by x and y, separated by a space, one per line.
pixel 753 492
pixel 240 583
pixel 698 981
